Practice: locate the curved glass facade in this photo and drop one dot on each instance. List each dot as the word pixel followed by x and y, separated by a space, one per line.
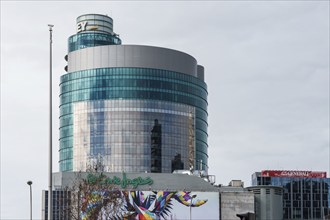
pixel 91 39
pixel 115 110
pixel 96 22
pixel 120 133
pixel 134 108
pixel 93 30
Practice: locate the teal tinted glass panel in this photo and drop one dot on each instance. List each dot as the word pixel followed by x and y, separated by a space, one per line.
pixel 201 157
pixel 132 84
pixel 83 40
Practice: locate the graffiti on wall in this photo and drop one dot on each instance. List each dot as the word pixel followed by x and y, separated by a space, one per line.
pixel 157 205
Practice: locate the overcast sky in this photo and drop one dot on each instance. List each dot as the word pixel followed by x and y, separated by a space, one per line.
pixel 266 66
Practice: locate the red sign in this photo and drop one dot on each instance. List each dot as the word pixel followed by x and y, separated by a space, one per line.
pixel 293 173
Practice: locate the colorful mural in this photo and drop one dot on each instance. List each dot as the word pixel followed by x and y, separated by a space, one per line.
pixel 155 205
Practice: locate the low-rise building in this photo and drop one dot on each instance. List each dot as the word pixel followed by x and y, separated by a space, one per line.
pixel 154 195
pixel 179 195
pixel 305 193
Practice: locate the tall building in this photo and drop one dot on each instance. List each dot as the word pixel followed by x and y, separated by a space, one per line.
pixel 139 115
pixel 136 108
pixel 61 204
pixel 306 194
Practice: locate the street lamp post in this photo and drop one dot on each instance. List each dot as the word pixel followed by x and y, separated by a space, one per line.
pixel 50 180
pixel 191 198
pixel 30 184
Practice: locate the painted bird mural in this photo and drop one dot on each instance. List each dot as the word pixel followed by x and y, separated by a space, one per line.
pixel 158 205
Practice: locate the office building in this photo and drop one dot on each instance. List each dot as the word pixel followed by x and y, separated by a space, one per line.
pixel 136 114
pixel 134 108
pixel 61 204
pixel 305 193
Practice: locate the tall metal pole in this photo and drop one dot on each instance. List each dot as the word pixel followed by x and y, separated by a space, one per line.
pixel 50 188
pixel 191 199
pixel 190 209
pixel 30 184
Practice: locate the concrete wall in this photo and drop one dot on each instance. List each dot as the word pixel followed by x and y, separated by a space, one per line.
pixel 233 203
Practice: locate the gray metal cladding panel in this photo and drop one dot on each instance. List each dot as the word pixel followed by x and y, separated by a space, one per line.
pixel 97 57
pixel 104 54
pixel 90 58
pixel 120 57
pixel 112 58
pixel 128 56
pixel 83 56
pixel 132 56
pixel 200 72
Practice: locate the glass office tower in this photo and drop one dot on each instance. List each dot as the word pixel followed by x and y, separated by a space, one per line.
pixel 306 194
pixel 134 108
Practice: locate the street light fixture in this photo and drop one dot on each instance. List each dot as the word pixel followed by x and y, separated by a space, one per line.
pixel 30 184
pixel 191 198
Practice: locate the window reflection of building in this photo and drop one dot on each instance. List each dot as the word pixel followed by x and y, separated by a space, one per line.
pixel 177 163
pixel 121 129
pixel 156 148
